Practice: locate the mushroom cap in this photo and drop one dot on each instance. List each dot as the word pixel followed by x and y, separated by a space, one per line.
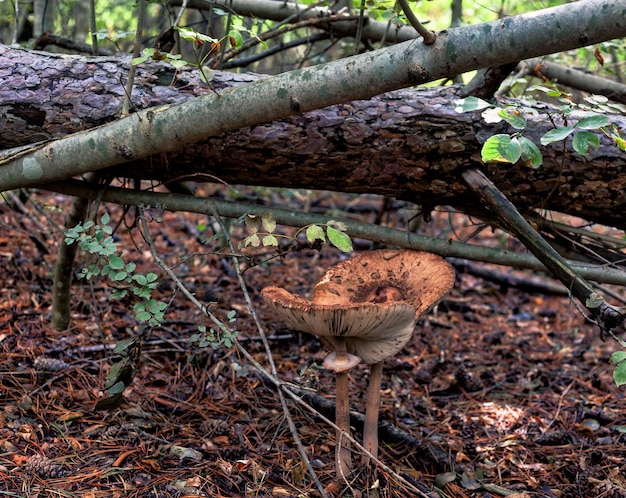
pixel 418 278
pixel 372 301
pixel 372 331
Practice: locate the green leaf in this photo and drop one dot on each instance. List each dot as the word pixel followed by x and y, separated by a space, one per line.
pixel 593 301
pixel 142 292
pixel 116 262
pixel 253 240
pixel 117 388
pixel 619 374
pixel 122 346
pixel 139 60
pixel 119 293
pixel 619 141
pixel 501 148
pixel 177 64
pixel 104 220
pixel 119 276
pixel 470 104
pixel 270 240
pixel 117 370
pixel 560 133
pixel 268 222
pixel 618 357
pixel 140 279
pixel 191 35
pixel 585 142
pixel 338 225
pixel 315 232
pixel 207 74
pixel 253 223
pixel 593 122
pixel 339 239
pixel 531 155
pixel 515 118
pixel 143 316
pixel 235 38
pixel 130 267
pixel 152 277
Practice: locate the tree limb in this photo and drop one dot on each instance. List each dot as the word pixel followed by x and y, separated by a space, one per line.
pixel 400 238
pixel 457 50
pixel 607 317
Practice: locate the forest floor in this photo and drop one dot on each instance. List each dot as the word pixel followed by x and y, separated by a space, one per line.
pixel 504 390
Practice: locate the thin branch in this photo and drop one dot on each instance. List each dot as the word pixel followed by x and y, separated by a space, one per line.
pixel 292 426
pixel 92 23
pixel 246 61
pixel 428 35
pixel 181 12
pixel 141 6
pixel 252 42
pixel 367 231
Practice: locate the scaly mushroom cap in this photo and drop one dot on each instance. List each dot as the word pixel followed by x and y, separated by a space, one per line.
pixel 372 331
pixel 414 277
pixel 372 300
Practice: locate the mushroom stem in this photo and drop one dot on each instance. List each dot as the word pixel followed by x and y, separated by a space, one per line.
pixel 343 456
pixel 370 426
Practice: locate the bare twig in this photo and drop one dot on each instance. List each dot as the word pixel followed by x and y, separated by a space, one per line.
pixel 141 6
pixel 292 427
pixel 428 35
pixel 248 44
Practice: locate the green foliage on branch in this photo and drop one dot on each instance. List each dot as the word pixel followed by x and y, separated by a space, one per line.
pixel 333 231
pixel 97 239
pixel 583 122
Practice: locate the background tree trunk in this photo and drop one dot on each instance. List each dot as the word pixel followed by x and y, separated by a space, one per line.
pixel 409 144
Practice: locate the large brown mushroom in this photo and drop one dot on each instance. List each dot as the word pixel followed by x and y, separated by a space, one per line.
pixel 384 277
pixel 365 309
pixel 342 326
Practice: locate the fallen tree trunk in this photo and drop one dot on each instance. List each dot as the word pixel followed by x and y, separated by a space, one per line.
pixel 409 144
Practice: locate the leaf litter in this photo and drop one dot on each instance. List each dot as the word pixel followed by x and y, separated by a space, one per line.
pixel 500 392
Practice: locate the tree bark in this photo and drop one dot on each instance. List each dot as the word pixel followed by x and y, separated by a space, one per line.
pixel 409 144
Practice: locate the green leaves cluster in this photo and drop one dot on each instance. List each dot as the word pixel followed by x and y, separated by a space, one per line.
pixel 210 337
pixel 198 40
pixel 97 239
pixel 121 373
pixel 587 119
pixel 263 233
